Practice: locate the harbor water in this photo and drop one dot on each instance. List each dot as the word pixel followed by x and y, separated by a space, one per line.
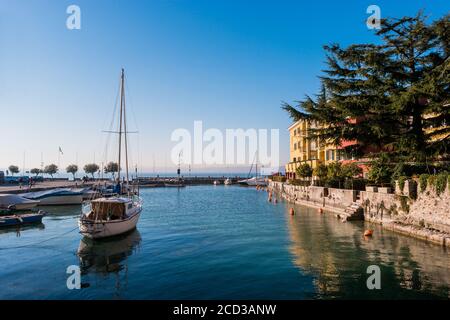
pixel 219 242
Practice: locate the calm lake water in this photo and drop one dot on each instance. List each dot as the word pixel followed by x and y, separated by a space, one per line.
pixel 223 242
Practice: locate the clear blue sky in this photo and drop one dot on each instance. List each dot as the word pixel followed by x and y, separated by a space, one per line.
pixel 228 63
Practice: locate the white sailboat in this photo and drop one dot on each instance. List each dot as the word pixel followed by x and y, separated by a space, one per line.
pixel 254 181
pixel 106 217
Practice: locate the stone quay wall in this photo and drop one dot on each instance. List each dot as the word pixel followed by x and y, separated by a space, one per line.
pixel 421 214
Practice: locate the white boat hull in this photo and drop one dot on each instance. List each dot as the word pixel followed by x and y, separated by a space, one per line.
pixel 26 206
pixel 17 202
pixel 253 182
pixel 104 229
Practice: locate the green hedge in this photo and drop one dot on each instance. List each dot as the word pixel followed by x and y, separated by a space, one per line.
pixel 278 178
pixel 298 182
pixel 438 182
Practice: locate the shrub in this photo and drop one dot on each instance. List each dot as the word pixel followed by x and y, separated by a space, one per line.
pixel 321 171
pixel 401 182
pixel 380 170
pixel 423 181
pixel 304 171
pixel 350 170
pixel 432 181
pixel 279 178
pixel 441 182
pixel 298 182
pixel 334 171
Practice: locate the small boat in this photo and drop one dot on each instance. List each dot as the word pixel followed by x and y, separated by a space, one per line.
pixel 88 193
pixel 255 181
pixel 227 182
pixel 107 217
pixel 59 196
pixel 216 182
pixel 177 183
pixel 15 202
pixel 118 214
pixel 18 220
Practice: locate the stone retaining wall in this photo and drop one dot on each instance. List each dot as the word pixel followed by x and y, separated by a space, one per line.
pixel 427 217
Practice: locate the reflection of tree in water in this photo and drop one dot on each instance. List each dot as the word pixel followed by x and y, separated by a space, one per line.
pixel 108 256
pixel 338 255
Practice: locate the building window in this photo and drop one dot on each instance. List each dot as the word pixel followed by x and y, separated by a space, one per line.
pixel 294 159
pixel 295 132
pixel 295 146
pixel 329 155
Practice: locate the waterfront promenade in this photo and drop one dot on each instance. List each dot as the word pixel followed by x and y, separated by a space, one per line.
pixel 143 182
pixel 45 185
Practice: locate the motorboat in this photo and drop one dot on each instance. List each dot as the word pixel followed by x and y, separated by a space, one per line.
pixel 59 196
pixel 216 182
pixel 111 216
pixel 16 202
pixel 227 182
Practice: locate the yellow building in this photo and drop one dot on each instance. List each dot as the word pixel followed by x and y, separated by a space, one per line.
pixel 311 151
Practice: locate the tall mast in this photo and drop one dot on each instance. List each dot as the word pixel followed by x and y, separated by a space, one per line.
pixel 120 121
pixel 125 130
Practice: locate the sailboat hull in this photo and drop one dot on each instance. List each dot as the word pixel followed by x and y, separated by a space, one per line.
pixel 105 229
pixel 252 182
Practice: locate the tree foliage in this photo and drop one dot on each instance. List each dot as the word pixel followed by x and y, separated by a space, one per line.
pixel 36 171
pixel 91 168
pixel 112 168
pixel 73 169
pixel 304 171
pixel 13 169
pixel 321 171
pixel 380 170
pixel 392 96
pixel 51 169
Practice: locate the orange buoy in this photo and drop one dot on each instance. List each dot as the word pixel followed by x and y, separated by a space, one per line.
pixel 368 233
pixel 291 211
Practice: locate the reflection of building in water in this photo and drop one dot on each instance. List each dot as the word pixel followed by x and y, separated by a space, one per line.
pixel 337 255
pixel 108 256
pixel 417 265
